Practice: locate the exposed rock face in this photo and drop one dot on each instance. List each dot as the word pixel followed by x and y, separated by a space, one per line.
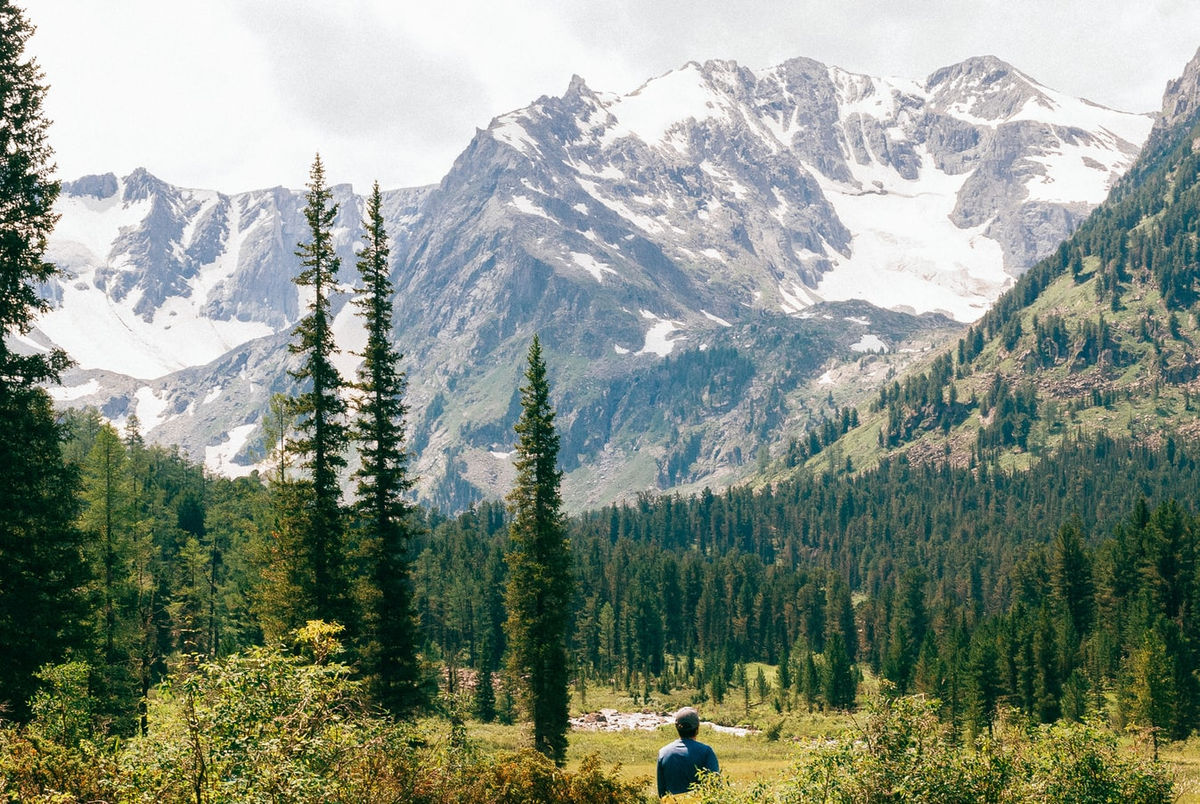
pixel 623 228
pixel 1181 100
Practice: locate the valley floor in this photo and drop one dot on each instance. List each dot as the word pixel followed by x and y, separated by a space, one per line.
pixel 767 755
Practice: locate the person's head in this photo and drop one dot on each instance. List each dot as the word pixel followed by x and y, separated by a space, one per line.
pixel 687 722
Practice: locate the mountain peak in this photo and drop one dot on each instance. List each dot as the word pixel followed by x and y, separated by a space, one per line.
pixel 1181 100
pixel 578 86
pixel 987 68
pixel 982 87
pixel 98 186
pixel 141 184
pixel 668 220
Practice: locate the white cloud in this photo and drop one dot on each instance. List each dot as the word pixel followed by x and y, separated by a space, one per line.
pixel 233 94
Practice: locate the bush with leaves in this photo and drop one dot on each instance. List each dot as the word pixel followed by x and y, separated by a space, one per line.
pixel 268 725
pixel 58 756
pixel 903 753
pixel 528 777
pixel 271 725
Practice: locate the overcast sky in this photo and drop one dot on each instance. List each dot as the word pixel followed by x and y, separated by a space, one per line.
pixel 238 94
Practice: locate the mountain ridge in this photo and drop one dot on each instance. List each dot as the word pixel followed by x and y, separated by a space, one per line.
pixel 622 234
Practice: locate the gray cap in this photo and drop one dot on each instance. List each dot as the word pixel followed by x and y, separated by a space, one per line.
pixel 688 718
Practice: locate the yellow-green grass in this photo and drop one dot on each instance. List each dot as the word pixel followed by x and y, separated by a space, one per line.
pixel 743 759
pixel 1184 760
pixel 754 758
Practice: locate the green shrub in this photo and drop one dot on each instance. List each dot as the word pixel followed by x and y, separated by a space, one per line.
pixel 272 725
pixel 527 777
pixel 902 753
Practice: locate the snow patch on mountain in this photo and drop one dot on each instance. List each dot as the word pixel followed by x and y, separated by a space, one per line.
pixel 1074 171
pixel 869 343
pixel 796 297
pixel 1057 109
pixel 60 393
pixel 906 252
pixel 218 458
pixel 150 409
pixel 715 319
pixel 593 266
pixel 100 333
pixel 525 205
pixel 658 337
pixel 650 111
pixel 511 132
pixel 94 223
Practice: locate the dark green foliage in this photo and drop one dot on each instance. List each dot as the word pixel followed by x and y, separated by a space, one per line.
pixel 922 402
pixel 827 431
pixel 839 685
pixel 170 551
pixel 1011 416
pixel 27 216
pixel 702 383
pixel 121 569
pixel 389 629
pixel 321 577
pixel 42 572
pixel 1001 604
pixel 540 582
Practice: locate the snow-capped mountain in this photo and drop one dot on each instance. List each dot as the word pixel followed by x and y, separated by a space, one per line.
pixel 624 228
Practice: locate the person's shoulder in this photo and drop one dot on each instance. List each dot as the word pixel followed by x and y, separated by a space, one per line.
pixel 669 748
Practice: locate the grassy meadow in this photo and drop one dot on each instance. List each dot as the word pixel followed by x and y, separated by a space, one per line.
pixel 764 756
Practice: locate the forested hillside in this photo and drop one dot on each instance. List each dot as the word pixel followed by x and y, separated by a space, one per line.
pixel 1099 337
pixel 1037 588
pixel 937 578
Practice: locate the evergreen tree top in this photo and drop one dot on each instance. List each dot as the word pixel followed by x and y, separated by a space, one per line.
pixel 27 194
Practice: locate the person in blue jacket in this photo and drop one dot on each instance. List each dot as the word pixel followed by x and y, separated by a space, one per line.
pixel 680 761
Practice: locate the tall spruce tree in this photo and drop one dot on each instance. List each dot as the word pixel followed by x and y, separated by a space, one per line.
pixel 27 194
pixel 540 582
pixel 322 433
pixel 42 569
pixel 390 625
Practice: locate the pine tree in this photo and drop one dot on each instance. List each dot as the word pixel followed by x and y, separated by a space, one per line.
pixel 278 601
pixel 27 192
pixel 108 521
pixel 323 434
pixel 1149 696
pixel 1073 588
pixel 383 481
pixel 839 684
pixel 484 699
pixel 810 680
pixel 540 582
pixel 42 569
